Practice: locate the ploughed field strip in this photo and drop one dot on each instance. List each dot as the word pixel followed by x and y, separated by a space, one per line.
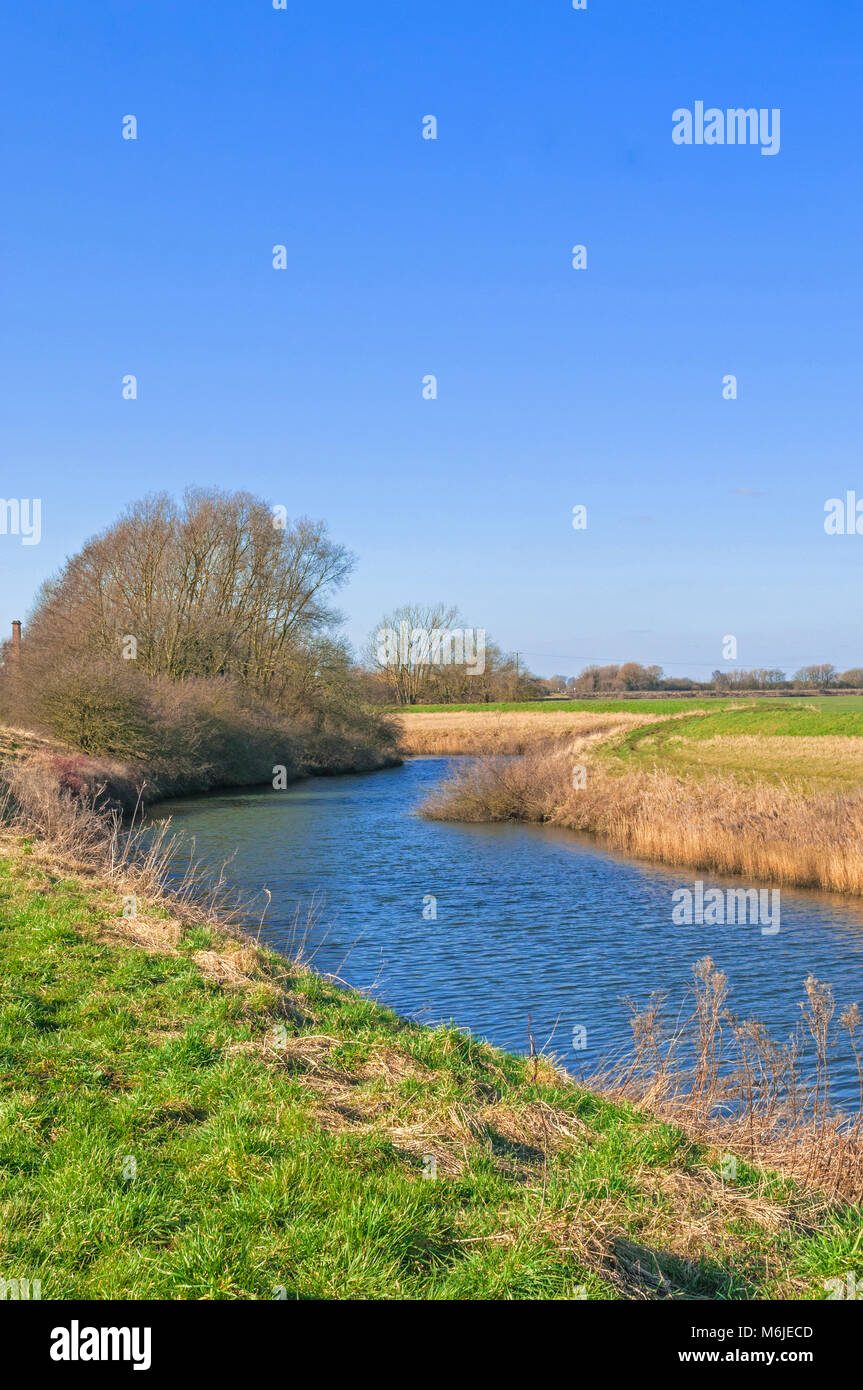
pixel 186 1115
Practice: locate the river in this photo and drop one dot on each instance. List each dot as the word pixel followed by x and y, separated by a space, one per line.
pixel 530 921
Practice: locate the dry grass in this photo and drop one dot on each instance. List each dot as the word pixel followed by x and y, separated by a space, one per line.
pixel 727 1081
pixel 16 742
pixel 834 759
pixel 503 732
pixel 82 833
pixel 682 1217
pixel 768 833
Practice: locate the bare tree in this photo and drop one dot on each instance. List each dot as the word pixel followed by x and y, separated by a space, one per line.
pixel 822 675
pixel 404 644
pixel 212 586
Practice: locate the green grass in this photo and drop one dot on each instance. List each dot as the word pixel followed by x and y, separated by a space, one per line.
pixel 674 705
pixel 852 702
pixel 646 706
pixel 258 1170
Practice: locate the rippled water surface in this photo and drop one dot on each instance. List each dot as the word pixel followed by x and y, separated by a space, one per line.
pixel 530 921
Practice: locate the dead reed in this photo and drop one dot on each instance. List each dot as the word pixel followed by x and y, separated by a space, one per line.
pixel 476 732
pixel 83 831
pixel 726 1081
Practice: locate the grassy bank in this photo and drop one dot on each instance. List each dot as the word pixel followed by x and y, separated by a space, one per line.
pixel 639 704
pixel 188 1116
pixel 812 746
pixel 813 741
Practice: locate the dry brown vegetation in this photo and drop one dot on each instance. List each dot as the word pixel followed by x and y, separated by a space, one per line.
pixel 835 759
pixel 721 1079
pixel 728 1081
pixel 768 833
pixel 195 644
pixel 80 832
pixel 474 732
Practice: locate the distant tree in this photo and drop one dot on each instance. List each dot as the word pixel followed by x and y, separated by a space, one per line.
pixel 607 677
pixel 403 645
pixel 425 654
pixel 587 681
pixel 632 676
pixel 822 676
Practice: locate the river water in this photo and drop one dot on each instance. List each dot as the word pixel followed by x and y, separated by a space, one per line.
pixel 530 921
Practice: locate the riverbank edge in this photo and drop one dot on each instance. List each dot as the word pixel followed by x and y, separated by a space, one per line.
pixel 564 1193
pixel 130 787
pixel 766 833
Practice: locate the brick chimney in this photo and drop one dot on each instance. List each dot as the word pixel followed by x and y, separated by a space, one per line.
pixel 16 640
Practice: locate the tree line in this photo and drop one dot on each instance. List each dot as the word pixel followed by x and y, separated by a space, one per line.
pixel 631 675
pixel 412 676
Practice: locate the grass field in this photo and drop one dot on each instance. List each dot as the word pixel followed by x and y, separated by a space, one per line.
pixel 813 746
pixel 671 705
pixel 184 1116
pixel 552 707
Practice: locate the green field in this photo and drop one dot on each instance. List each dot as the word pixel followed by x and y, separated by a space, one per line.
pixel 675 705
pixel 161 1139
pixel 647 706
pixel 814 745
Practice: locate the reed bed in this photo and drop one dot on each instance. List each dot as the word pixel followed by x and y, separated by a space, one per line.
pixel 772 833
pixel 727 1081
pixel 478 732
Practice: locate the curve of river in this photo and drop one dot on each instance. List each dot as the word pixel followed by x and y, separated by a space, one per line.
pixel 530 920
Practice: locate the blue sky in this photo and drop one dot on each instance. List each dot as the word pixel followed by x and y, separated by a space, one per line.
pixel 302 127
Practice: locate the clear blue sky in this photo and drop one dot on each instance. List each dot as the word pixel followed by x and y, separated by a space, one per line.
pixel 452 257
